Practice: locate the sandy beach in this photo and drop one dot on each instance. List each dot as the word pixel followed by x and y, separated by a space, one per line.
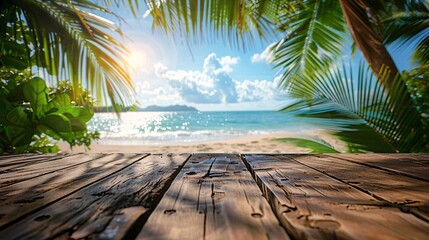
pixel 248 144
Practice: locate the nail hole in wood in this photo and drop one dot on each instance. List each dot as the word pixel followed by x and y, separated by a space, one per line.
pixel 170 211
pixel 257 215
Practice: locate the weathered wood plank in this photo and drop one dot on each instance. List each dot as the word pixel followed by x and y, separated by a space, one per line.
pixel 410 165
pixel 106 209
pixel 213 197
pixel 29 171
pixel 9 156
pixel 409 193
pixel 386 185
pixel 17 161
pixel 26 197
pixel 422 157
pixel 312 205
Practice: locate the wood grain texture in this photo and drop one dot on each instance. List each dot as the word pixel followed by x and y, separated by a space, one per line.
pixel 26 197
pixel 11 156
pixel 105 209
pixel 313 205
pixel 213 197
pixel 17 161
pixel 408 193
pixel 424 157
pixel 39 168
pixel 411 165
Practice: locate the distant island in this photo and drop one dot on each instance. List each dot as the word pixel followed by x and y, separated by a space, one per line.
pixel 151 108
pixel 172 108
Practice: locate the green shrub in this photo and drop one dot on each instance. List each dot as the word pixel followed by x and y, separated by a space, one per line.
pixel 32 115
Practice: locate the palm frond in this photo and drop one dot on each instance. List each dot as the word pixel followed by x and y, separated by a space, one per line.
pixel 358 109
pixel 238 22
pixel 410 25
pixel 70 42
pixel 315 146
pixel 314 38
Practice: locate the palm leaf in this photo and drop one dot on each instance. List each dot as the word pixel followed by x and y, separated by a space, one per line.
pixel 357 108
pixel 313 39
pixel 314 145
pixel 410 25
pixel 238 22
pixel 68 41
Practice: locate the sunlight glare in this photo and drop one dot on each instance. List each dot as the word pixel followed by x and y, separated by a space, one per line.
pixel 136 59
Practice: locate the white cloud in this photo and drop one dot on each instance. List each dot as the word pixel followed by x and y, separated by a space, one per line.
pixel 214 85
pixel 227 62
pixel 160 69
pixel 254 91
pixel 264 56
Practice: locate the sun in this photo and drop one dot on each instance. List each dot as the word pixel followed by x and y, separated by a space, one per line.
pixel 144 55
pixel 136 59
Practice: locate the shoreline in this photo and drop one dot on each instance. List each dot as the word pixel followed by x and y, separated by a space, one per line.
pixel 247 144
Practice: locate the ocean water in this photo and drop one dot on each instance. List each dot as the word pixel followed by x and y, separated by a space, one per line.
pixel 151 128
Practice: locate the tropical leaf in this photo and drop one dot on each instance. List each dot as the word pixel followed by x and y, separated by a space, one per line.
pixel 410 26
pixel 313 40
pixel 238 22
pixel 35 92
pixel 56 125
pixel 69 41
pixel 313 145
pixel 356 107
pixel 16 127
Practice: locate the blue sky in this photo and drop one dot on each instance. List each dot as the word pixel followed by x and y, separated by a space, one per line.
pixel 209 76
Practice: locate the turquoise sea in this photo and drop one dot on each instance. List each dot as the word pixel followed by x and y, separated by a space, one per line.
pixel 148 128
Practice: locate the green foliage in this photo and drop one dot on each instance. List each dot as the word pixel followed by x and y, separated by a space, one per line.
pixel 313 145
pixel 417 81
pixel 313 39
pixel 357 109
pixel 68 40
pixel 409 25
pixel 238 22
pixel 31 115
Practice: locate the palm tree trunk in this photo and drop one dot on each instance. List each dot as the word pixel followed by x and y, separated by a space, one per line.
pixel 361 22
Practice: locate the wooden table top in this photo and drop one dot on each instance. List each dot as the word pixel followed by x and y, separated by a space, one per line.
pixel 214 196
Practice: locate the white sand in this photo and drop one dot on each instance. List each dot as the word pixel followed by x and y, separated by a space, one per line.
pixel 250 144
